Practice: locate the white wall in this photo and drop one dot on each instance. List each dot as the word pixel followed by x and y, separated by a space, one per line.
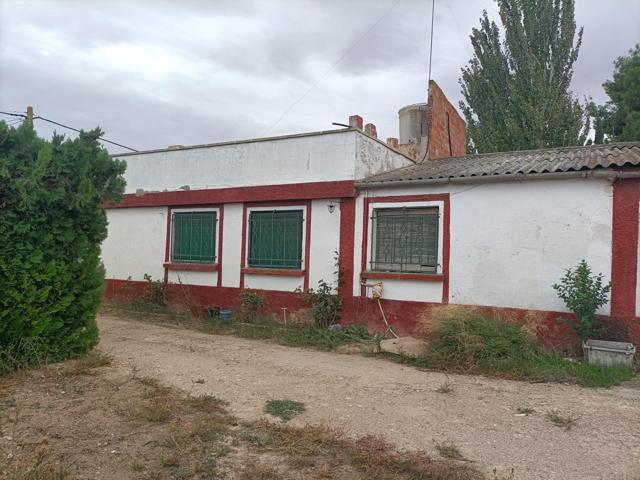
pixel 374 157
pixel 325 241
pixel 302 159
pixel 273 282
pixel 411 290
pixel 232 244
pixel 189 277
pixel 511 241
pixel 135 244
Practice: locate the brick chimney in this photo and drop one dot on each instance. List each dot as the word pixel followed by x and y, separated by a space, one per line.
pixel 356 121
pixel 370 129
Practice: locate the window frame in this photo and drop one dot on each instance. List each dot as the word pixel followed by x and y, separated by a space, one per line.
pixel 216 237
pixel 303 244
pixel 437 205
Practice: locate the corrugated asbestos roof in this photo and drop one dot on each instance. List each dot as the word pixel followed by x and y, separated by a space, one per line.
pixel 553 160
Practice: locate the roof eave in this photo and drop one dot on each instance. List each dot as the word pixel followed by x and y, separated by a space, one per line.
pixel 606 174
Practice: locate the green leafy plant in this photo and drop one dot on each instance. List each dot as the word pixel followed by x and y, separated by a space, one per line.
pixel 251 303
pixel 583 293
pixel 326 305
pixel 284 409
pixel 51 226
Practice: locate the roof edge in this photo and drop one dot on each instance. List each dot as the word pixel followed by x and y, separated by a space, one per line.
pixel 607 174
pixel 238 142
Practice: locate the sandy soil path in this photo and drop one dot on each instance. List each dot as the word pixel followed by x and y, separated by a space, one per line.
pixel 363 395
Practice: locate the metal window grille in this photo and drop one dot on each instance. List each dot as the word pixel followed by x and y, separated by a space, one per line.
pixel 275 239
pixel 194 237
pixel 405 240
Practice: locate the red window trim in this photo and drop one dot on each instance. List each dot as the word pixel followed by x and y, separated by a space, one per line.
pixel 436 197
pixel 422 277
pixel 201 267
pixel 273 271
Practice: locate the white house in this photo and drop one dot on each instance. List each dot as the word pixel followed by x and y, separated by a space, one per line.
pixel 270 214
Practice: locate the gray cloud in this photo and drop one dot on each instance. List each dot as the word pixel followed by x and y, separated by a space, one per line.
pixel 158 73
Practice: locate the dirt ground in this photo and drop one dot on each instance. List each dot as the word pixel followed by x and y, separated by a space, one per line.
pixel 363 395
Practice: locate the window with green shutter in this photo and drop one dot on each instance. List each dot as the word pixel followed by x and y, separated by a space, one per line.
pixel 405 240
pixel 194 237
pixel 275 239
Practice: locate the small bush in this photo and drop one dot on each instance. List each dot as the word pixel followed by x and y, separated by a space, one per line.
pixel 326 305
pixel 583 293
pixel 471 339
pixel 462 339
pixel 251 303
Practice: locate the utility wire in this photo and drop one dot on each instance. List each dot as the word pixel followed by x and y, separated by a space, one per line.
pixel 433 9
pixel 38 117
pixel 334 65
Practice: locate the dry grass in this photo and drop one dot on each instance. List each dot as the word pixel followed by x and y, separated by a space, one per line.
pixel 561 421
pixel 431 318
pixel 141 429
pixel 38 468
pixel 445 387
pixel 450 451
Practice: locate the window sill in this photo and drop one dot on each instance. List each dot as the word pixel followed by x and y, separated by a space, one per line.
pixel 273 271
pixel 198 267
pixel 421 277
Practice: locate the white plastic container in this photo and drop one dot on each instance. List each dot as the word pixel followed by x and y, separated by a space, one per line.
pixel 609 353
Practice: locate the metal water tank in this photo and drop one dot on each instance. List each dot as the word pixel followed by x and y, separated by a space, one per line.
pixel 413 123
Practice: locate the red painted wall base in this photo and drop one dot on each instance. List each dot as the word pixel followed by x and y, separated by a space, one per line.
pixel 552 328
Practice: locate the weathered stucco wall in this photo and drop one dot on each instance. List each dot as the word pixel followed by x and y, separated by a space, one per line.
pixel 511 241
pixel 374 157
pixel 302 159
pixel 135 244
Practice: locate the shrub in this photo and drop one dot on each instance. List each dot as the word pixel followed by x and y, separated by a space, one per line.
pixel 251 303
pixel 326 305
pixel 462 338
pixel 51 227
pixel 469 338
pixel 583 293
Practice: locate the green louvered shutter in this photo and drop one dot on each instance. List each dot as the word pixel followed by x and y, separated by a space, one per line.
pixel 275 239
pixel 193 238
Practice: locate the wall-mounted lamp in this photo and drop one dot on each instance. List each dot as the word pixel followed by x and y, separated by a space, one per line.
pixel 331 207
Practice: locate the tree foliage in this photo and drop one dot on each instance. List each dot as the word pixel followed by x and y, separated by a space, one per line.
pixel 619 119
pixel 516 86
pixel 51 227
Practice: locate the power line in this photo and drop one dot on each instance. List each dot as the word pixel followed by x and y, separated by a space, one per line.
pixel 76 130
pixel 433 9
pixel 38 117
pixel 342 57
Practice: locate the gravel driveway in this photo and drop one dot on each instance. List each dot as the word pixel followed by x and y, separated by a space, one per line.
pixel 362 395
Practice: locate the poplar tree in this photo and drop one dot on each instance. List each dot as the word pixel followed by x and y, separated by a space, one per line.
pixel 516 85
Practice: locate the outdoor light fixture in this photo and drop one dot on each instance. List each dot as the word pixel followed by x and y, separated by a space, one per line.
pixel 331 207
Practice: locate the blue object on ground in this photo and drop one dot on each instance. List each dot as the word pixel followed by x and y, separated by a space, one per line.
pixel 225 315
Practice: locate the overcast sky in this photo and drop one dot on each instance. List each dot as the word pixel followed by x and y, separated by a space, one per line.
pixel 159 73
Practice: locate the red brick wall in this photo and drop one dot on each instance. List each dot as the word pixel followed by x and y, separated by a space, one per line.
pixel 447 131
